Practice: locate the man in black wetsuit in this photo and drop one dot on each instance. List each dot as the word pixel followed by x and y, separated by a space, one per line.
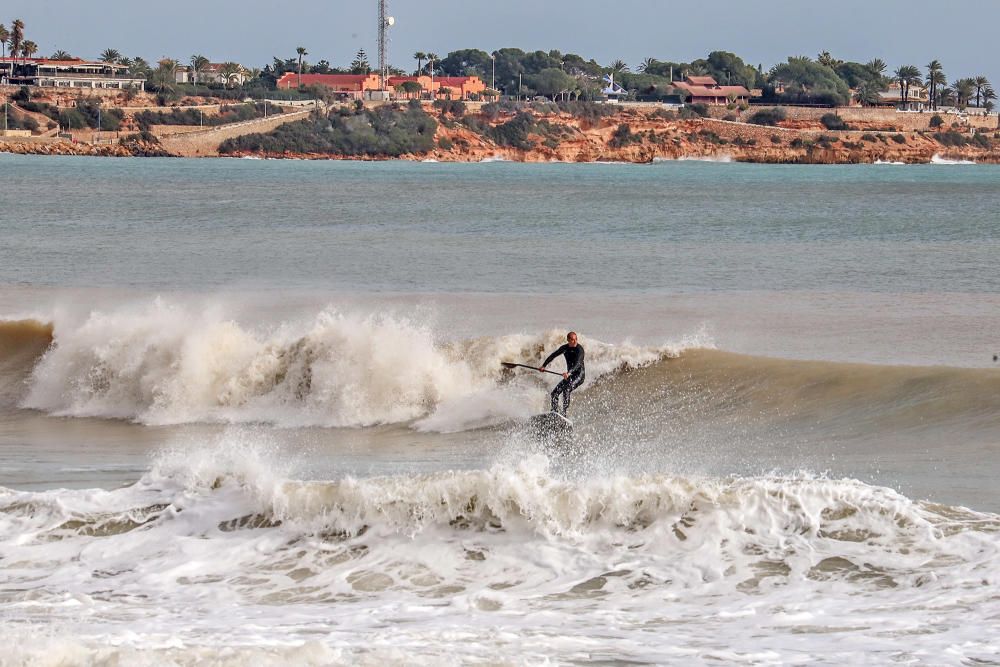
pixel 575 372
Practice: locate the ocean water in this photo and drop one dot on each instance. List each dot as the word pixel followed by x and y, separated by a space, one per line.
pixel 252 412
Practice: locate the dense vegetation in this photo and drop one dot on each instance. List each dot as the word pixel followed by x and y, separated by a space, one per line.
pixel 384 132
pixel 233 113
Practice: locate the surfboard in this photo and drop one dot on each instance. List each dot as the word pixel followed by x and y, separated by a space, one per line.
pixel 551 423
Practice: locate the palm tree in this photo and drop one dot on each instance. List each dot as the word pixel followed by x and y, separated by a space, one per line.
pixel 829 61
pixel 431 59
pixel 4 36
pixel 980 82
pixel 16 38
pixel 963 91
pixel 618 66
pixel 198 65
pixel 947 96
pixel 139 67
pixel 28 49
pixel 110 56
pixel 906 75
pixel 419 56
pixel 868 94
pixel 301 50
pixel 647 64
pixel 877 66
pixel 165 76
pixel 935 79
pixel 988 96
pixel 61 55
pixel 229 71
pixel 125 61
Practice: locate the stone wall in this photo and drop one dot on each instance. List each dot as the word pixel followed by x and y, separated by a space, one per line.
pixel 206 142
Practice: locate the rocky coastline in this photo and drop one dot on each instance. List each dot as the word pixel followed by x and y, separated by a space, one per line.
pixel 634 136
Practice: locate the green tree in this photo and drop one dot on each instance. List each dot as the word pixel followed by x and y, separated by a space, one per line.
pixel 164 77
pixel 964 89
pixel 906 76
pixel 466 62
pixel 806 80
pixel 981 82
pixel 432 58
pixel 552 82
pixel 409 88
pixel 419 56
pixel 198 65
pixel 61 55
pixel 16 37
pixel 877 65
pixel 110 55
pixel 360 64
pixel 4 37
pixel 139 67
pixel 301 51
pixel 935 79
pixel 868 94
pixel 647 65
pixel 28 49
pixel 618 66
pixel 826 59
pixel 230 71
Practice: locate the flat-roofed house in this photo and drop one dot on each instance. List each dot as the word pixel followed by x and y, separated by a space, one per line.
pixel 74 73
pixel 352 86
pixel 458 87
pixel 706 90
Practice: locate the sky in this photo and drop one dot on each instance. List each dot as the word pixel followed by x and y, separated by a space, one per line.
pixel 960 33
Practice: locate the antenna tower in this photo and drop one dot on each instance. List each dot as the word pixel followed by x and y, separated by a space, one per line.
pixel 384 21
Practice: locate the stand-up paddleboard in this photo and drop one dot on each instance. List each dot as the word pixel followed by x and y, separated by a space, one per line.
pixel 551 423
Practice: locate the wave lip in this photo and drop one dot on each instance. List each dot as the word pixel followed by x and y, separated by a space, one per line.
pixel 161 363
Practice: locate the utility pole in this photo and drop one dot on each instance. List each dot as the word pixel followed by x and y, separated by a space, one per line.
pixel 493 81
pixel 384 23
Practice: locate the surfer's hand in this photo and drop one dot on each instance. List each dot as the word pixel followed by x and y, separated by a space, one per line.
pixel 565 376
pixel 541 369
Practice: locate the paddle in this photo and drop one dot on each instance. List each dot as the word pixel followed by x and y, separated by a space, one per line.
pixel 508 364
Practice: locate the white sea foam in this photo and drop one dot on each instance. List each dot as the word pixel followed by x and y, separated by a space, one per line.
pixel 512 561
pixel 167 363
pixel 937 159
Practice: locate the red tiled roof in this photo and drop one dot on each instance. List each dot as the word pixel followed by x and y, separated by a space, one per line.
pixel 701 80
pixel 718 91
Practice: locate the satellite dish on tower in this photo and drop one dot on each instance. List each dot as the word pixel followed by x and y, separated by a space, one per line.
pixel 391 21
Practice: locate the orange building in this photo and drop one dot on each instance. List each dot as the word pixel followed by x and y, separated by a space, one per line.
pixel 349 85
pixel 460 87
pixel 356 86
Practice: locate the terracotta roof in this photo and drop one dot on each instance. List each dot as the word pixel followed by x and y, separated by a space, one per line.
pixel 454 80
pixel 701 80
pixel 718 91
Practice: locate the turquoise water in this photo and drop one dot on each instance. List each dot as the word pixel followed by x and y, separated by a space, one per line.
pixel 498 227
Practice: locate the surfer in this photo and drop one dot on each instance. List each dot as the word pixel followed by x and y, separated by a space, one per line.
pixel 575 372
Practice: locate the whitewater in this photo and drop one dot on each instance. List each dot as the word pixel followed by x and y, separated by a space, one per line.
pixel 276 430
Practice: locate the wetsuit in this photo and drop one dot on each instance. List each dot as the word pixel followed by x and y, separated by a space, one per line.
pixel 577 374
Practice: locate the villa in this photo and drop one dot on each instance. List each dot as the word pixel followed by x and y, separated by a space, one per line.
pixel 211 73
pixel 706 90
pixel 75 73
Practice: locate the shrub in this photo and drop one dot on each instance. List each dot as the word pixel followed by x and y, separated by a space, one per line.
pixel 832 121
pixel 445 143
pixel 514 132
pixel 383 132
pixel 982 141
pixel 72 119
pixel 899 139
pixel 699 109
pixel 951 138
pixel 768 117
pixel 623 137
pixel 936 121
pixel 797 143
pixel 867 136
pixel 731 117
pixel 775 139
pixel 590 112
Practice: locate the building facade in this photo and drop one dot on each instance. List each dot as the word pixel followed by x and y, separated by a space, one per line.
pixel 706 90
pixel 74 73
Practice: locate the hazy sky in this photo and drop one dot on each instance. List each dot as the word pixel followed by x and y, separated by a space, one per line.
pixel 961 33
